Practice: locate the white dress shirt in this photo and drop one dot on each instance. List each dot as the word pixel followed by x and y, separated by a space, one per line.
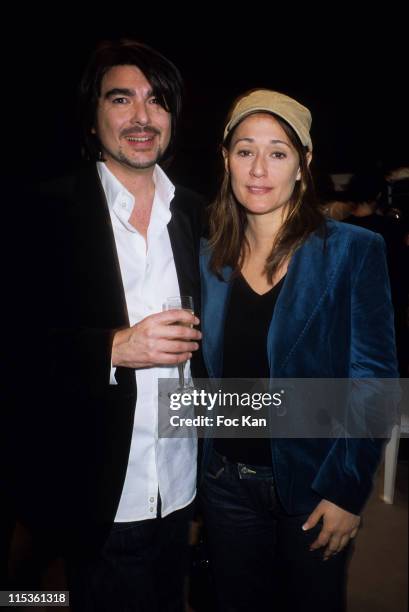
pixel 149 277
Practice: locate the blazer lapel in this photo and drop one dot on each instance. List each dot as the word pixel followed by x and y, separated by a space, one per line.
pixel 183 247
pixel 184 238
pixel 99 264
pixel 215 297
pixel 310 276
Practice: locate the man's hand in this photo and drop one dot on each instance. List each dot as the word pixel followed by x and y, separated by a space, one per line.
pixel 165 338
pixel 339 526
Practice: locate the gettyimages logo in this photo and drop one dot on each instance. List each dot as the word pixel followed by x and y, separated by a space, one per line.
pixel 208 400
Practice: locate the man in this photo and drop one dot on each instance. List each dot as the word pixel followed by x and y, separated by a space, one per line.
pixel 106 248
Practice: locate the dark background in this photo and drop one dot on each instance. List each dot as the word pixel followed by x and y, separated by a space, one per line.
pixel 351 73
pixel 352 79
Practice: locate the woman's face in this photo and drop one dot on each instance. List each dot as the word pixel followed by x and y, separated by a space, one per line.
pixel 263 165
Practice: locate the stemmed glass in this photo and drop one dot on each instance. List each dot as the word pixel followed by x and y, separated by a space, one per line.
pixel 183 302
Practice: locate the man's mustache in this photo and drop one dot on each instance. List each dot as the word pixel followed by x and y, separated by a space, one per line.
pixel 140 130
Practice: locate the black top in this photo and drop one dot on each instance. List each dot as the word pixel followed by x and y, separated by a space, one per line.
pixel 248 319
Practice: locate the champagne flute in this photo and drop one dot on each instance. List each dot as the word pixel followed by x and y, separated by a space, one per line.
pixel 183 302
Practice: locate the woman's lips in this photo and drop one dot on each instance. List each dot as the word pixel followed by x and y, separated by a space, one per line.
pixel 258 189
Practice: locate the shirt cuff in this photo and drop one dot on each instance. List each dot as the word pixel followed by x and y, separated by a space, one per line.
pixel 112 379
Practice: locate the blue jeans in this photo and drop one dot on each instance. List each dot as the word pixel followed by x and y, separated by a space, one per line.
pixel 260 556
pixel 141 568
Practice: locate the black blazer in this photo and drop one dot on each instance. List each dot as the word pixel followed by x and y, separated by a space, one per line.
pixel 72 429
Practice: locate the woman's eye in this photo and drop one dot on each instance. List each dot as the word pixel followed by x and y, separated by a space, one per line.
pixel 154 100
pixel 278 155
pixel 243 153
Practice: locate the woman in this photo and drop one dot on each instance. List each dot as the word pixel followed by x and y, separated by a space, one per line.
pixel 287 294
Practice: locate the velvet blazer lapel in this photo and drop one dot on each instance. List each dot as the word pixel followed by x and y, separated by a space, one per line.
pixel 310 276
pixel 215 297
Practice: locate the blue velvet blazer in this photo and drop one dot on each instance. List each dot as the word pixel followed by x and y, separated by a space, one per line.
pixel 333 319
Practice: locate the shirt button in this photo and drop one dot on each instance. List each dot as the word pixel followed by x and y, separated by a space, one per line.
pixel 151 499
pixel 151 509
pixel 123 204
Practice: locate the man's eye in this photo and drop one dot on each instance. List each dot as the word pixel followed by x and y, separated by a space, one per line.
pixel 120 100
pixel 154 100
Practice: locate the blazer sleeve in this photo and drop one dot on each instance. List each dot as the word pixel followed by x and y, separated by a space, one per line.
pixel 346 475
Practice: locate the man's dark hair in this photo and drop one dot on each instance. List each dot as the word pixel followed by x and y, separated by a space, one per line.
pixel 161 73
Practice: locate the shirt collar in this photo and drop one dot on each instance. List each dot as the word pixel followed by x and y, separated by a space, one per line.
pixel 165 189
pixel 113 188
pixel 121 201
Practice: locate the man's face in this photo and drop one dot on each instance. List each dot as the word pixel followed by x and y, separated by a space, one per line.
pixel 133 128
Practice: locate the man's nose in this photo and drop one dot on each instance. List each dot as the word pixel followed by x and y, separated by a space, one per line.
pixel 140 114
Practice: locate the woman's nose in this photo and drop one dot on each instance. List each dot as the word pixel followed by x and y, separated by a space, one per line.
pixel 258 167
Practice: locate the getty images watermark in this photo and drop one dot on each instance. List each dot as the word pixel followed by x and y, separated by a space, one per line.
pixel 282 408
pixel 209 401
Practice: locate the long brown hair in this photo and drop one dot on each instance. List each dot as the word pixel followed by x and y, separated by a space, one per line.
pixel 228 219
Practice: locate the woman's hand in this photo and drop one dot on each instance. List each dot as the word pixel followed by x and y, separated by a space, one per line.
pixel 339 526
